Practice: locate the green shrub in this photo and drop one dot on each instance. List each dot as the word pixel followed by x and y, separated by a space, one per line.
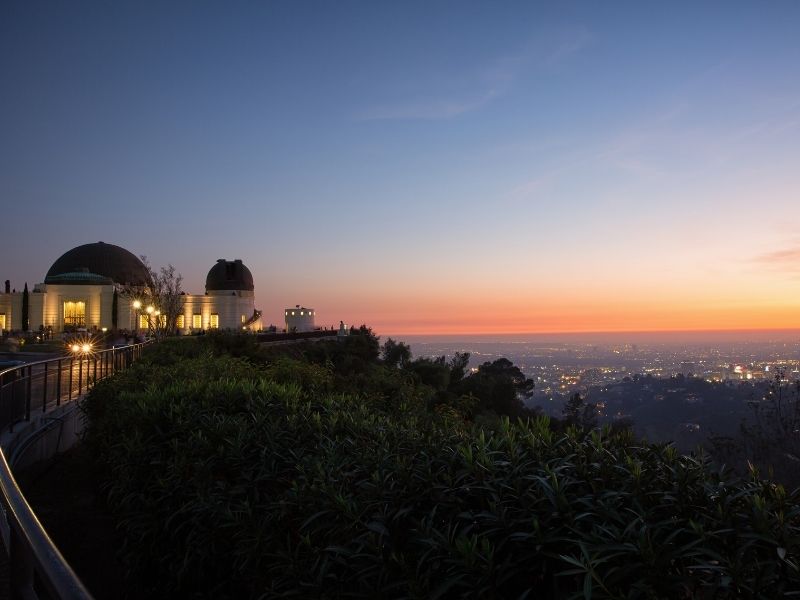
pixel 232 480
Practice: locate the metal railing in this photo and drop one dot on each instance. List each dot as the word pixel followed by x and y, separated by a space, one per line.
pixel 43 385
pixel 36 568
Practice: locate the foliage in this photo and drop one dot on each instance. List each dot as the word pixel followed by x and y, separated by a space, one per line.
pixel 770 442
pixel 580 414
pixel 395 354
pixel 115 309
pixel 236 479
pixel 500 386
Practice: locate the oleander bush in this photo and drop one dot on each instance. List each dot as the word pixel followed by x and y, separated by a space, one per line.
pixel 240 479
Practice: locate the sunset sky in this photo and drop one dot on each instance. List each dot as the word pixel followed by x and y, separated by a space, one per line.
pixel 431 167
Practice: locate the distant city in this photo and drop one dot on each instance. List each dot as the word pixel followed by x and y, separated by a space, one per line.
pixel 679 387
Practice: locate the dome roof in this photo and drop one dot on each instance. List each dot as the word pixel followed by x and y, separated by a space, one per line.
pixel 106 262
pixel 229 275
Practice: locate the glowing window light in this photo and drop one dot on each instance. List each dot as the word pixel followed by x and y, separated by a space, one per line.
pixel 197 321
pixel 213 321
pixel 75 313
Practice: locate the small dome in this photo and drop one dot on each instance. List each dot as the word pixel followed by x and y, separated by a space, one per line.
pixel 229 275
pixel 98 263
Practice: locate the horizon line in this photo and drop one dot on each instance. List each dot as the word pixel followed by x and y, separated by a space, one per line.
pixel 787 330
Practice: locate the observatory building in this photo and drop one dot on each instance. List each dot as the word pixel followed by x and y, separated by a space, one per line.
pixel 95 286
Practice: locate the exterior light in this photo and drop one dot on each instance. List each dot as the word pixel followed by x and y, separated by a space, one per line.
pixel 75 348
pixel 150 310
pixel 137 305
pixel 104 329
pixel 86 348
pixel 158 312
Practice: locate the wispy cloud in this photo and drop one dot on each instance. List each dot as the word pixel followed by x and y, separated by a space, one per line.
pixel 438 108
pixel 785 259
pixel 485 84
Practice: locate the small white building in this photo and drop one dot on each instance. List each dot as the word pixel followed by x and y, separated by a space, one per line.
pixel 299 319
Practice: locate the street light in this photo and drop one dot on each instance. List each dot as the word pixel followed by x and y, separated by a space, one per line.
pixel 81 350
pixel 136 306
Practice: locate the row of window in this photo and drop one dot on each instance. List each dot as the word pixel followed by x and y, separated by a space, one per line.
pixel 303 313
pixel 180 322
pixel 75 315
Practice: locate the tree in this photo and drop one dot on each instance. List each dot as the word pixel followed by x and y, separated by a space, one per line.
pixel 395 354
pixel 770 442
pixel 114 309
pixel 458 367
pixel 26 321
pixel 500 386
pixel 162 299
pixel 579 413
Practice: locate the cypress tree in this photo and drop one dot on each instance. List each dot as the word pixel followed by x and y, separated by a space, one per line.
pixel 114 309
pixel 25 309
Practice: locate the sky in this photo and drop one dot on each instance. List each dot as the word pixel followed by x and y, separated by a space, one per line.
pixel 422 167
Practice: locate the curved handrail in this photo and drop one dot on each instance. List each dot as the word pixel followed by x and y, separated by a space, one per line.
pixel 28 547
pixel 26 532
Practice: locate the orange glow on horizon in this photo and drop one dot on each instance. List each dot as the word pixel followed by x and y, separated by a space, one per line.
pixel 601 319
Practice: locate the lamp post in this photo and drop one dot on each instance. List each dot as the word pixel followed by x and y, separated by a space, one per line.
pixel 137 305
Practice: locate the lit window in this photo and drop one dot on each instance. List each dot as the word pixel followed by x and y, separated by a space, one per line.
pixel 213 321
pixel 197 321
pixel 179 322
pixel 292 313
pixel 75 313
pixel 243 319
pixel 143 324
pixel 301 313
pixel 2 321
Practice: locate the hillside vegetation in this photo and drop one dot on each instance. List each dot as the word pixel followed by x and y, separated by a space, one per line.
pixel 326 471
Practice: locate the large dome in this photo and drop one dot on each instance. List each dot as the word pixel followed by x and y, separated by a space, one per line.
pixel 98 263
pixel 229 275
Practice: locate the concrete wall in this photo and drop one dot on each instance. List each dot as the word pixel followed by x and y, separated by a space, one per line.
pixel 43 437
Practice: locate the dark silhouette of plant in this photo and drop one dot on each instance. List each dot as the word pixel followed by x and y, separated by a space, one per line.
pixel 26 322
pixel 579 413
pixel 395 354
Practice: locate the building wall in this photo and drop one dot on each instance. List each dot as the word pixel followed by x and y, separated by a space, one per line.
pixel 299 318
pixel 229 306
pixel 98 299
pixel 11 307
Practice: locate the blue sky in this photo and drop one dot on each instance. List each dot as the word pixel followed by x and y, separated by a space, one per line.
pixel 420 166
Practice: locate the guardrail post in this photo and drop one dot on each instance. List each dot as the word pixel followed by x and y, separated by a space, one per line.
pixel 44 388
pixel 11 404
pixel 58 384
pixel 28 394
pixel 71 369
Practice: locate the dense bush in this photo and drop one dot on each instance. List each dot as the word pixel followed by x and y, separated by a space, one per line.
pixel 236 480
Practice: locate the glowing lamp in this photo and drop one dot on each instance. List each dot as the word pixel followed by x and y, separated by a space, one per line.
pixel 150 309
pixel 86 348
pixel 137 305
pixel 75 348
